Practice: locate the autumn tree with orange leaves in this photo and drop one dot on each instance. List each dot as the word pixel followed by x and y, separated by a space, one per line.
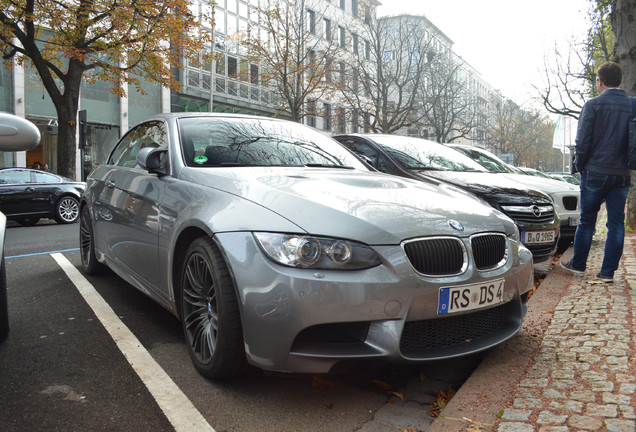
pixel 115 41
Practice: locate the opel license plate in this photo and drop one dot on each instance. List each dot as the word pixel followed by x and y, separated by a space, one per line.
pixel 533 237
pixel 467 297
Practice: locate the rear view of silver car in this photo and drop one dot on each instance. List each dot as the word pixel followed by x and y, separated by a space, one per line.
pixel 275 246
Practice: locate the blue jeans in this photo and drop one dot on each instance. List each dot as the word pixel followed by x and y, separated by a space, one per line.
pixel 596 188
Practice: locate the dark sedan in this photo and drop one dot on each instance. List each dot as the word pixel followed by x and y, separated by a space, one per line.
pixel 531 209
pixel 27 195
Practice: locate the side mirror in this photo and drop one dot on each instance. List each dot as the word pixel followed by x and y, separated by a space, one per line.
pixel 151 159
pixel 17 134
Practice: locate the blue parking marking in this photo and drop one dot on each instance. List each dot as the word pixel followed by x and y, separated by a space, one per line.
pixel 41 253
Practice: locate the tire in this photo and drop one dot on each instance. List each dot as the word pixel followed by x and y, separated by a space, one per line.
pixel 90 265
pixel 67 210
pixel 4 303
pixel 28 221
pixel 209 312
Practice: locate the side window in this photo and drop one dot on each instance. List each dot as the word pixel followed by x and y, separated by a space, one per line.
pixel 15 177
pixel 42 177
pixel 387 167
pixel 150 134
pixel 363 149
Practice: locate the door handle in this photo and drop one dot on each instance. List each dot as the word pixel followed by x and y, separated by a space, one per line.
pixel 30 189
pixel 110 184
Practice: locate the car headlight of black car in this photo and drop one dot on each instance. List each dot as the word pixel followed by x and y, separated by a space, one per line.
pixel 303 251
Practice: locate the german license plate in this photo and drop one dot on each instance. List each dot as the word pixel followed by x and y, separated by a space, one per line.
pixel 533 237
pixel 467 297
pixel 573 221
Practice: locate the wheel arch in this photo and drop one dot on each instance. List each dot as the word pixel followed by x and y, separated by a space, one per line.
pixel 185 239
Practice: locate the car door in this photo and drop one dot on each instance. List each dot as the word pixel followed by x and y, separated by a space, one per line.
pixel 18 195
pixel 129 205
pixel 47 190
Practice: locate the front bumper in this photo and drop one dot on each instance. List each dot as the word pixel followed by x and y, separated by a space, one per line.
pixel 307 321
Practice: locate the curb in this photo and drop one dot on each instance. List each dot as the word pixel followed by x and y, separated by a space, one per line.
pixel 481 399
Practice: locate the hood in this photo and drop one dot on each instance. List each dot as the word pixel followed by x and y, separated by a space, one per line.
pixel 492 187
pixel 373 208
pixel 545 185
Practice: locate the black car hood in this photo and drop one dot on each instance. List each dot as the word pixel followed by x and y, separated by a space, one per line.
pixel 491 187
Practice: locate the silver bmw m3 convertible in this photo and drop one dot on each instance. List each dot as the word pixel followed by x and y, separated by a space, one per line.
pixel 275 246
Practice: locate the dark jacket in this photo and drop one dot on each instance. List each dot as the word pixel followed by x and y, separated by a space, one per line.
pixel 602 134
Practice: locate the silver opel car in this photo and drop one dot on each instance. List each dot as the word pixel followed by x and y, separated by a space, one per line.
pixel 275 246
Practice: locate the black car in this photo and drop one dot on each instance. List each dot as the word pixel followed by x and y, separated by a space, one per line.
pixel 532 210
pixel 27 195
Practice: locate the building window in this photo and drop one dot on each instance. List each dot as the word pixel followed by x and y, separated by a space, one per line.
pixel 388 56
pixel 355 81
pixel 311 112
pixel 342 120
pixel 327 29
pixel 311 17
pixel 354 42
pixel 342 40
pixel 326 122
pixel 232 67
pixel 342 4
pixel 254 74
pixel 367 50
pixel 354 8
pixel 343 73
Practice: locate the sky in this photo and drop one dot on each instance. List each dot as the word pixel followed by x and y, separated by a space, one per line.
pixel 504 40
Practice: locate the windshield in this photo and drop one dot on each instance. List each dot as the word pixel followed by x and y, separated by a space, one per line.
pixel 210 141
pixel 491 162
pixel 415 153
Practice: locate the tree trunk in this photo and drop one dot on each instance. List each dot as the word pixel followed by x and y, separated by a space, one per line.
pixel 624 26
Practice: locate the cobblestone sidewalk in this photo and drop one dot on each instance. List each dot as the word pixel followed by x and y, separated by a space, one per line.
pixel 584 378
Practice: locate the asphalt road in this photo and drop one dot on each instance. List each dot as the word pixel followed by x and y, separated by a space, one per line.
pixel 62 370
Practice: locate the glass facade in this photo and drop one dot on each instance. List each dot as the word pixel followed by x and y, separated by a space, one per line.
pixel 141 106
pixel 6 89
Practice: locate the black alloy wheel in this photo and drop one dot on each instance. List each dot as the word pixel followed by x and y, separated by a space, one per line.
pixel 209 312
pixel 90 265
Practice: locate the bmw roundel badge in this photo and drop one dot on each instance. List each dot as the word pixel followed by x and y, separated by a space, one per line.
pixel 455 225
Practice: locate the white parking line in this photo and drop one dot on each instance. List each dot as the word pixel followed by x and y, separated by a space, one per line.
pixel 174 404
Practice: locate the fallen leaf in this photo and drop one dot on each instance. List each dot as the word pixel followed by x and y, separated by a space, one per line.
pixel 329 406
pixel 389 403
pixel 322 383
pixel 595 282
pixel 422 377
pixel 400 395
pixel 382 385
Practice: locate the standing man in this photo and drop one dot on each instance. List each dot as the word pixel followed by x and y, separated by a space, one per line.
pixel 601 158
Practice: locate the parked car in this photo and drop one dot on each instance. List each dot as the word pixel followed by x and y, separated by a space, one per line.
pixel 415 158
pixel 274 244
pixel 16 134
pixel 532 172
pixel 27 195
pixel 566 196
pixel 566 177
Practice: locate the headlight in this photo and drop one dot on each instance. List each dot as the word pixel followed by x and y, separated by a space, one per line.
pixel 304 251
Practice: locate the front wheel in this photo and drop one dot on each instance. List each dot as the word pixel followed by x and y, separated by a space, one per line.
pixel 210 313
pixel 90 265
pixel 67 210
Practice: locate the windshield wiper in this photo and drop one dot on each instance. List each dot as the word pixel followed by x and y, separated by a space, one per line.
pixel 426 169
pixel 319 165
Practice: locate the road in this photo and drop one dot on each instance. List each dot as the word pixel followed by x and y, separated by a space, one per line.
pixel 62 370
